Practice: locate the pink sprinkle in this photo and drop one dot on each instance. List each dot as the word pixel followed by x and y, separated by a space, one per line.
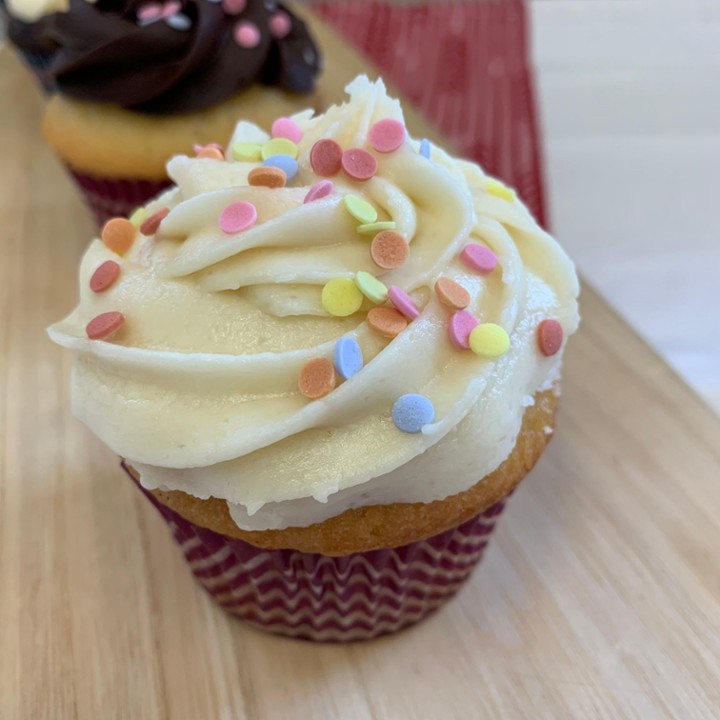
pixel 170 8
pixel 462 323
pixel 286 128
pixel 247 35
pixel 280 25
pixel 359 164
pixel 151 11
pixel 237 217
pixel 479 258
pixel 319 190
pixel 387 135
pixel 326 158
pixel 550 337
pixel 403 302
pixel 234 7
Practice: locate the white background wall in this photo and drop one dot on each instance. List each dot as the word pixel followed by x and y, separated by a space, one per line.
pixel 630 94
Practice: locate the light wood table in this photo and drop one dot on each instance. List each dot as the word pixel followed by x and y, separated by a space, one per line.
pixel 599 596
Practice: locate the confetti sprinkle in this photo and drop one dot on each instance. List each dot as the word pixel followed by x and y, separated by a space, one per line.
pixel 359 164
pixel 138 217
pixel 104 325
pixel 270 177
pixel 247 35
pixel 360 209
pixel 319 190
pixel 386 321
pixel 451 294
pixel 412 412
pixel 495 187
pixel 237 216
pixel 371 287
pixel 317 378
pixel 489 340
pixel 287 164
pixel 376 227
pixel 246 152
pixel 212 151
pixel 326 158
pixel 118 235
pixel 425 148
pixel 341 297
pixel 105 276
pixel 279 146
pixel 280 25
pixel 179 22
pixel 287 128
pixel 234 7
pixel 348 358
pixel 461 325
pixel 550 337
pixel 387 135
pixel 480 258
pixel 152 224
pixel 403 302
pixel 389 250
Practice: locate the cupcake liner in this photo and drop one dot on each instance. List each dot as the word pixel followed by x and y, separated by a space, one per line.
pixel 116 197
pixel 331 599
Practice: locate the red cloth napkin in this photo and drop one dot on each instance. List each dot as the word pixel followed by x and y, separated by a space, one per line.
pixel 465 66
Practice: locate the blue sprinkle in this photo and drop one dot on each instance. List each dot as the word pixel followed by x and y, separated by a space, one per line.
pixel 425 148
pixel 411 413
pixel 348 358
pixel 287 164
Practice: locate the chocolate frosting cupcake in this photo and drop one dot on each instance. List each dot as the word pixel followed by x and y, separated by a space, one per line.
pixel 173 56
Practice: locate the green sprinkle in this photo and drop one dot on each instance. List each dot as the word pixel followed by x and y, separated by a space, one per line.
pixel 246 152
pixel 376 227
pixel 279 146
pixel 138 217
pixel 371 287
pixel 360 209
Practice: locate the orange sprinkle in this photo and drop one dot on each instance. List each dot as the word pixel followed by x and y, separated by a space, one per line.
pixel 118 235
pixel 451 294
pixel 213 152
pixel 386 321
pixel 317 378
pixel 152 224
pixel 104 325
pixel 266 176
pixel 389 249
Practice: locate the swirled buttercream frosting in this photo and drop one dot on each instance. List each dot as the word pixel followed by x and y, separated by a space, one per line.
pixel 249 347
pixel 168 56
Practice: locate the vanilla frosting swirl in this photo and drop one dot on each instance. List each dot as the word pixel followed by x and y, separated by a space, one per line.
pixel 199 391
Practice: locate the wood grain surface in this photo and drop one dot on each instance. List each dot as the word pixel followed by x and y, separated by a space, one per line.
pixel 599 596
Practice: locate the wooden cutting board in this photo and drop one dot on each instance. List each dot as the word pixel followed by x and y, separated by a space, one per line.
pixel 599 596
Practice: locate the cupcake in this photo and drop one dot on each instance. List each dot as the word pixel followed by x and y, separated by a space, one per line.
pixel 138 82
pixel 327 369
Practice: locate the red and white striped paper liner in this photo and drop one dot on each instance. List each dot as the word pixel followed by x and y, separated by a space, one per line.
pixel 116 197
pixel 332 599
pixel 466 67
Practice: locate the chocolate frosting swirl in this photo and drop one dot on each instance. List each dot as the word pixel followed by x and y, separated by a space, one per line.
pixel 177 56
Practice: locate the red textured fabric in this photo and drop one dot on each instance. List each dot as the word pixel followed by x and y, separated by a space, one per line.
pixel 465 66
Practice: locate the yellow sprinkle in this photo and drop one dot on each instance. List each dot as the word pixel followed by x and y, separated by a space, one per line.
pixel 138 217
pixel 371 287
pixel 495 187
pixel 360 209
pixel 246 152
pixel 374 228
pixel 489 340
pixel 279 146
pixel 341 297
